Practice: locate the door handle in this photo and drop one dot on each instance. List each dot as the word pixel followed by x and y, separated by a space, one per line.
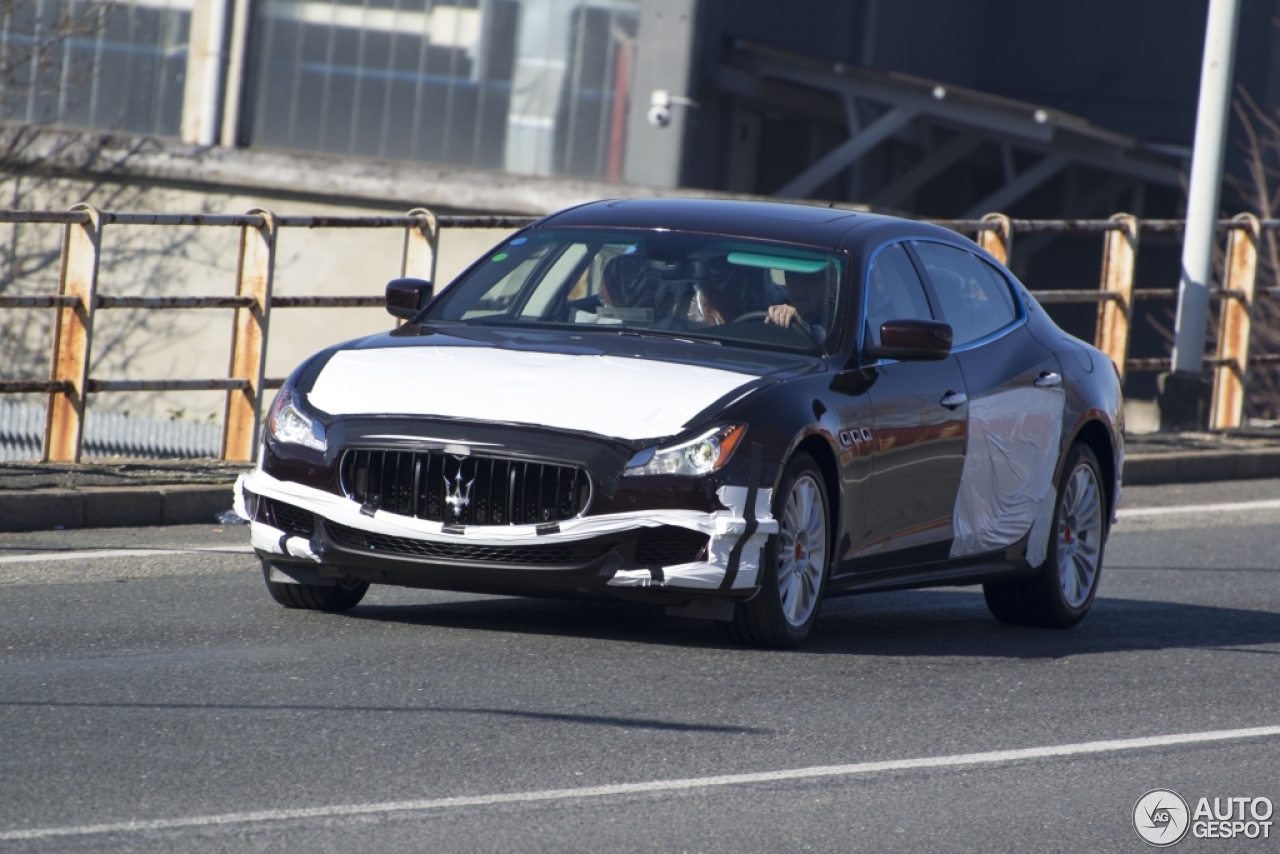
pixel 952 399
pixel 1049 379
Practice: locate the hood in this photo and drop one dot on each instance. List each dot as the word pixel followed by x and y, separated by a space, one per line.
pixel 610 395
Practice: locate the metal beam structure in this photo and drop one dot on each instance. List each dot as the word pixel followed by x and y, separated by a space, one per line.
pixel 1029 180
pixel 933 165
pixel 847 152
pixel 800 85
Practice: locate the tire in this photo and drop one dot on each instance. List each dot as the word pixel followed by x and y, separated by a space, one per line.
pixel 343 596
pixel 794 565
pixel 1062 591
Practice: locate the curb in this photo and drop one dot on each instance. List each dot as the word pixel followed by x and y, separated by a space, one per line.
pixel 1200 466
pixel 146 506
pixel 112 507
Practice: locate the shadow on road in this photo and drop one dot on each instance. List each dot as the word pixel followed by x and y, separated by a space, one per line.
pixel 913 623
pixel 415 711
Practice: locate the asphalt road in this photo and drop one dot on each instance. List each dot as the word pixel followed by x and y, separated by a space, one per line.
pixel 167 690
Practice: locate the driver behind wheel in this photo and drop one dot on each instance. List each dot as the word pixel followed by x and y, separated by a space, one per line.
pixel 808 295
pixel 728 291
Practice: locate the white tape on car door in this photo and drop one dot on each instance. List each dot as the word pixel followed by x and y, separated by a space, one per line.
pixel 1007 484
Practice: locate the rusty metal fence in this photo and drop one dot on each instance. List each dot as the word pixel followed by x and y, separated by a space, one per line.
pixel 77 301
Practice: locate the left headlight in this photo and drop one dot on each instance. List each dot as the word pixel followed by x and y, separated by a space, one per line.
pixel 700 455
pixel 288 423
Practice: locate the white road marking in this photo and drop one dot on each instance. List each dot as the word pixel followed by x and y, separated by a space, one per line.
pixel 338 810
pixel 1228 507
pixel 41 557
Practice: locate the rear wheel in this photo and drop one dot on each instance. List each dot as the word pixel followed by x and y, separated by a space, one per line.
pixel 344 595
pixel 793 570
pixel 1061 593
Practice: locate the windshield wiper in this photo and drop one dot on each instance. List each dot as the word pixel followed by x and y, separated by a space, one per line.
pixel 637 334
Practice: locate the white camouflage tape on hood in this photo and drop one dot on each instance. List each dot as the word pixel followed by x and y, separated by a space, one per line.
pixel 608 395
pixel 1007 485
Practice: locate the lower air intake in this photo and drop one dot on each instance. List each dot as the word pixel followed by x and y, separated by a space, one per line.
pixel 552 554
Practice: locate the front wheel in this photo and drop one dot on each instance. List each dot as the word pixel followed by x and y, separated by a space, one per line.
pixel 343 596
pixel 793 567
pixel 1060 595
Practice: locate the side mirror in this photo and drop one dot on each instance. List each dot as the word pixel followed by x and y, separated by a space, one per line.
pixel 406 297
pixel 910 339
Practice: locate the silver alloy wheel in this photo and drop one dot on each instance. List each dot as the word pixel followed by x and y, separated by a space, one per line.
pixel 1079 535
pixel 802 550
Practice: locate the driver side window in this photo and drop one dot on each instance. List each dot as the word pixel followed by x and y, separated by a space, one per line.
pixel 894 292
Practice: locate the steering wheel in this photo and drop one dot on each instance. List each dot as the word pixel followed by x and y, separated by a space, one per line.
pixel 750 315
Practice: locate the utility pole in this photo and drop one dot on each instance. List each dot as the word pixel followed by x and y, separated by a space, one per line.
pixel 1184 393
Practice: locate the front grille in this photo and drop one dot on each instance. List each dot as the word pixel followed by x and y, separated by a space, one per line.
pixel 669 545
pixel 551 554
pixel 466 491
pixel 285 517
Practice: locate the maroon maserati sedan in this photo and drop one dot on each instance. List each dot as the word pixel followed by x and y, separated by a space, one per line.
pixel 734 409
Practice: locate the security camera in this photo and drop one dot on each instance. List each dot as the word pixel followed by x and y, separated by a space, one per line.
pixel 660 106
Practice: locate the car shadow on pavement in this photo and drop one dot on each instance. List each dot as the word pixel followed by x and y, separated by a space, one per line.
pixel 956 623
pixel 952 622
pixel 594 620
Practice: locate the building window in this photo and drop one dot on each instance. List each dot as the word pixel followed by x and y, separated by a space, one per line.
pixel 118 66
pixel 533 86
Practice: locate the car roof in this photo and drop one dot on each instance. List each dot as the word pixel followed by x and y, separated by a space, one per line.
pixel 793 223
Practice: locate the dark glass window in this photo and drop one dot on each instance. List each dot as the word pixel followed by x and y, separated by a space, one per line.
pixel 973 297
pixel 528 86
pixel 658 283
pixel 894 292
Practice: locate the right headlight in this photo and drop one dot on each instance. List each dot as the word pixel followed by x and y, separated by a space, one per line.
pixel 289 423
pixel 700 455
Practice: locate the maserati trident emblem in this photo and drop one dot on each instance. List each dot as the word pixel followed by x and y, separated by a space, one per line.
pixel 459 496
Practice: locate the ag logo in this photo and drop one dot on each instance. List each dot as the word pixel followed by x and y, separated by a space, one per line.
pixel 1161 817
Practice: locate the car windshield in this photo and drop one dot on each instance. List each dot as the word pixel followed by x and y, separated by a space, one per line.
pixel 675 284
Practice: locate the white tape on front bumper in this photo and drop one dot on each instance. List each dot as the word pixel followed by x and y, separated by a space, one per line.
pixel 266 538
pixel 724 527
pixel 709 574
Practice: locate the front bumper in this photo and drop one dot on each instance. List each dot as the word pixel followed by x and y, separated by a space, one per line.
pixel 596 548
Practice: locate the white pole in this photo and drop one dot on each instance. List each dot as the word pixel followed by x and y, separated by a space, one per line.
pixel 1212 117
pixel 211 91
pixel 235 73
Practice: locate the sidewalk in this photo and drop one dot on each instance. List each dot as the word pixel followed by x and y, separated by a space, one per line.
pixel 138 493
pixel 1155 458
pixel 125 493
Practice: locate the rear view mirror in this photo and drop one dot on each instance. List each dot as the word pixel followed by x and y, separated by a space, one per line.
pixel 406 297
pixel 910 339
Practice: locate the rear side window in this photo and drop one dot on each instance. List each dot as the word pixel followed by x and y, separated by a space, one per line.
pixel 972 296
pixel 894 292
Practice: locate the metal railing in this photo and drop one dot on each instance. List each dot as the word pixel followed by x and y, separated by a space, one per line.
pixel 77 301
pixel 1116 295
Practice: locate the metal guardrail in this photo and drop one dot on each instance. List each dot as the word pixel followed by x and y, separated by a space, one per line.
pixel 1116 295
pixel 77 301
